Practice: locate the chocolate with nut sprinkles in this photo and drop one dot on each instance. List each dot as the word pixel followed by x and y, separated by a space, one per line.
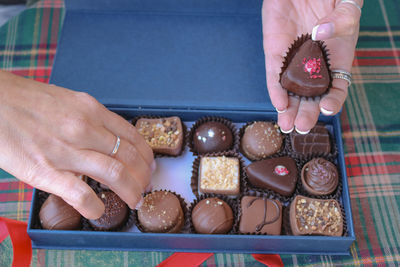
pixel 161 212
pixel 219 175
pixel 115 214
pixel 315 142
pixel 309 216
pixel 163 135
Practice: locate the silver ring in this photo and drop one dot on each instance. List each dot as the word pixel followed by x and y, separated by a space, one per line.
pixel 342 74
pixel 115 150
pixel 354 3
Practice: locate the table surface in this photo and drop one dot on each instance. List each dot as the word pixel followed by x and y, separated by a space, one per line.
pixel 371 136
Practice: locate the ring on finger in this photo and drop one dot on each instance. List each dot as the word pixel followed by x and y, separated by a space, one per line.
pixel 116 146
pixel 342 74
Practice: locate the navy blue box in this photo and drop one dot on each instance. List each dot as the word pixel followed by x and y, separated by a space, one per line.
pixel 175 57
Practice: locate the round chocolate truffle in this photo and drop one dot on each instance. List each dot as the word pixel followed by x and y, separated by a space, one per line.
pixel 260 140
pixel 212 216
pixel 211 137
pixel 161 212
pixel 319 177
pixel 56 214
pixel 115 213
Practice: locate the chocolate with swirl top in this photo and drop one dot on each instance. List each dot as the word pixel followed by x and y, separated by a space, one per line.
pixel 260 215
pixel 319 177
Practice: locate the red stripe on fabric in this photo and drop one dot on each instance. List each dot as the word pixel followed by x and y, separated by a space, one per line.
pixel 378 53
pixel 382 159
pixel 7 197
pixel 185 259
pixel 45 22
pixel 22 248
pixel 271 260
pixel 375 62
pixel 9 185
pixel 3 232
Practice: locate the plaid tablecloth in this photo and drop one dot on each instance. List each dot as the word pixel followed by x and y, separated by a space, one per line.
pixel 371 136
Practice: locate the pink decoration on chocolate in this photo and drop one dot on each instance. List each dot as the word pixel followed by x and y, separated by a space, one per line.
pixel 313 67
pixel 281 170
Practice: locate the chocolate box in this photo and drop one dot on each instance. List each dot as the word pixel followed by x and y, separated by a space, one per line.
pixel 175 57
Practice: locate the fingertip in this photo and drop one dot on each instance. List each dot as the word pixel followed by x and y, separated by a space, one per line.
pixel 93 210
pixel 326 112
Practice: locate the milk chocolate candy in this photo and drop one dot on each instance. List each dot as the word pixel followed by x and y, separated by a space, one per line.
pixel 163 135
pixel 309 216
pixel 277 174
pixel 260 140
pixel 161 212
pixel 315 142
pixel 307 72
pixel 260 215
pixel 319 177
pixel 212 216
pixel 56 214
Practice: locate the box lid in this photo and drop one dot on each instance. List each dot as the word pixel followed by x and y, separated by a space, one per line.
pixel 183 54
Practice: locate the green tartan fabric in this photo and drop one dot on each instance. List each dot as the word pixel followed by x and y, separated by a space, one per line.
pixel 371 136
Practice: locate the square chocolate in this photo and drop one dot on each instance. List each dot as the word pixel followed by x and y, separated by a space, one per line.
pixel 260 215
pixel 163 135
pixel 219 175
pixel 316 141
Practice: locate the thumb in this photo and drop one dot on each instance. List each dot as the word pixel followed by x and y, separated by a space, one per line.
pixel 343 21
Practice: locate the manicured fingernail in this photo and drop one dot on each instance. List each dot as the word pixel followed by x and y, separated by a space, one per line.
pixel 280 111
pixel 153 166
pixel 301 132
pixel 322 31
pixel 326 112
pixel 139 204
pixel 288 131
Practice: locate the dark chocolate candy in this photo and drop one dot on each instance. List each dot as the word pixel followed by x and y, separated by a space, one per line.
pixel 307 72
pixel 115 213
pixel 211 137
pixel 319 177
pixel 260 140
pixel 277 174
pixel 161 212
pixel 260 215
pixel 316 141
pixel 164 135
pixel 212 216
pixel 56 214
pixel 309 216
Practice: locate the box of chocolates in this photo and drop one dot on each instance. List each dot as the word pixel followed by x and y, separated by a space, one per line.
pixel 191 78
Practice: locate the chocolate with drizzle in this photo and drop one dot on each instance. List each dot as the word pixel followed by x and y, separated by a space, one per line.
pixel 253 220
pixel 316 141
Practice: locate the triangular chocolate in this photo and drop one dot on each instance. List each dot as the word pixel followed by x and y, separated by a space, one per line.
pixel 277 174
pixel 307 72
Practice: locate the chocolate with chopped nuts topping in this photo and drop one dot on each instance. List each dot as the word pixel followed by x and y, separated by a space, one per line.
pixel 219 175
pixel 163 135
pixel 309 216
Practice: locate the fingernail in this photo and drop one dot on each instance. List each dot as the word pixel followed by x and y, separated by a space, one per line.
pixel 322 31
pixel 139 204
pixel 98 209
pixel 326 112
pixel 280 111
pixel 153 166
pixel 288 131
pixel 301 132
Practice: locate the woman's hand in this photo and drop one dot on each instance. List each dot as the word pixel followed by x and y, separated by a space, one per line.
pixel 335 22
pixel 49 135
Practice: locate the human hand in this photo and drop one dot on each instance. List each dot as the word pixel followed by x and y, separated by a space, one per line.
pixel 335 22
pixel 49 135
